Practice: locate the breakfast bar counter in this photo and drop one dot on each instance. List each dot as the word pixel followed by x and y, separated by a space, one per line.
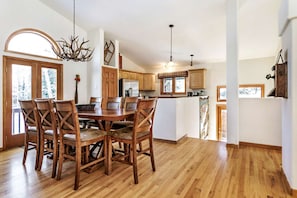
pixel 176 118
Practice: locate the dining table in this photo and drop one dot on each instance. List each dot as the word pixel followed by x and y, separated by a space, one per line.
pixel 108 116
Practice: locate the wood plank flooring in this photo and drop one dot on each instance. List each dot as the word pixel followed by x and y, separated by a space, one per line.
pixel 190 168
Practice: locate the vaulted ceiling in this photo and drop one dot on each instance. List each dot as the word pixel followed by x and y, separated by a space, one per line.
pixel 142 27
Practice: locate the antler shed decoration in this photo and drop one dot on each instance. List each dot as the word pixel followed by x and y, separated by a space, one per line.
pixel 108 52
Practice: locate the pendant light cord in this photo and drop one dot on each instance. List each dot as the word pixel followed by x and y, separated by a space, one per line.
pixel 73 18
pixel 171 26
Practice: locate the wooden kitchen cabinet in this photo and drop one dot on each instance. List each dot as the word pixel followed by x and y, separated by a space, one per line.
pixel 197 78
pixel 127 75
pixel 149 82
pixel 146 81
pixel 124 74
pixel 139 77
pixel 132 76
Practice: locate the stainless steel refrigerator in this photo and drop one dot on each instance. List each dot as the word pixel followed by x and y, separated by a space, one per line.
pixel 128 88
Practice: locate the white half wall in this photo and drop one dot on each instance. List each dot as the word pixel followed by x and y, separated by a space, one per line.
pixel 260 121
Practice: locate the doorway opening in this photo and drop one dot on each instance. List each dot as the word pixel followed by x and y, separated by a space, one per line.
pixel 221 122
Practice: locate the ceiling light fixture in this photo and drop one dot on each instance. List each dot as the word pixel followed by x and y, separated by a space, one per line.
pixel 171 63
pixel 73 50
pixel 191 59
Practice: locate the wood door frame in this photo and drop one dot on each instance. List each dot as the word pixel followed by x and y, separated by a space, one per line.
pixel 36 76
pixel 219 108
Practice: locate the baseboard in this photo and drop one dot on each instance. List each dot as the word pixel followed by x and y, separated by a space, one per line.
pixel 289 190
pixel 171 141
pixel 279 148
pixel 236 146
pixel 166 141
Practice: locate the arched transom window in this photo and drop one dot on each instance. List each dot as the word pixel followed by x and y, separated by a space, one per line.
pixel 31 42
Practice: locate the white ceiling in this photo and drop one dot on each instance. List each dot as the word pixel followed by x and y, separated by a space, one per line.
pixel 142 27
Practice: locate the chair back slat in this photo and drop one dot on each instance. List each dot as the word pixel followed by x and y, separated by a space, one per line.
pixel 67 117
pixel 28 107
pixel 113 103
pixel 144 115
pixel 130 103
pixel 46 113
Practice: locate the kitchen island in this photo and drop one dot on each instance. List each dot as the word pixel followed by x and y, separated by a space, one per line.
pixel 178 117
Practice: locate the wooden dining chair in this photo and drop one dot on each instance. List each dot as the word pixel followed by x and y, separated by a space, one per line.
pixel 112 103
pixel 70 135
pixel 96 100
pixel 98 104
pixel 142 130
pixel 31 129
pixel 130 104
pixel 48 131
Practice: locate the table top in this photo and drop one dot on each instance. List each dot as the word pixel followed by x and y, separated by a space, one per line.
pixel 106 114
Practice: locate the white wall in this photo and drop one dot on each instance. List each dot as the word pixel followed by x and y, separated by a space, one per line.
pixel 260 121
pixel 15 15
pixel 127 64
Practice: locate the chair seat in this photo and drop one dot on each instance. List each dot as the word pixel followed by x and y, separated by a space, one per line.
pixel 126 133
pixel 122 124
pixel 49 132
pixel 86 135
pixel 92 123
pixel 32 132
pixel 32 128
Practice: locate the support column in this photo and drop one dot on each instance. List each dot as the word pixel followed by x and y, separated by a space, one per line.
pixel 232 72
pixel 94 70
pixel 288 32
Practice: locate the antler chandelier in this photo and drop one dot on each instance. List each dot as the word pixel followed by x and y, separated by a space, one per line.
pixel 72 49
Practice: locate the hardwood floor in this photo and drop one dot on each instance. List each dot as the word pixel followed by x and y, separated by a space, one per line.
pixel 190 168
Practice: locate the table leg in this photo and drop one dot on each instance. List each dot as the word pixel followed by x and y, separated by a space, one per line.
pixel 109 155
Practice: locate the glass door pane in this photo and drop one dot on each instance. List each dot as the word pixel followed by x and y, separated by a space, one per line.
pixel 21 90
pixel 49 83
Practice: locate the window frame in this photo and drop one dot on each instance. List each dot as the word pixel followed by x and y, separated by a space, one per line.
pixel 173 86
pixel 221 99
pixel 32 31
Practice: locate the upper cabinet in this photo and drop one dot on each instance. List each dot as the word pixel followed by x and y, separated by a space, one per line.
pixel 139 77
pixel 149 82
pixel 146 81
pixel 127 75
pixel 123 74
pixel 197 78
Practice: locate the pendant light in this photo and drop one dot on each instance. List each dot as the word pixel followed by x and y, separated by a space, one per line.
pixel 170 63
pixel 191 64
pixel 72 49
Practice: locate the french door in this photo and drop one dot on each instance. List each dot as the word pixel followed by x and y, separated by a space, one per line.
pixel 25 79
